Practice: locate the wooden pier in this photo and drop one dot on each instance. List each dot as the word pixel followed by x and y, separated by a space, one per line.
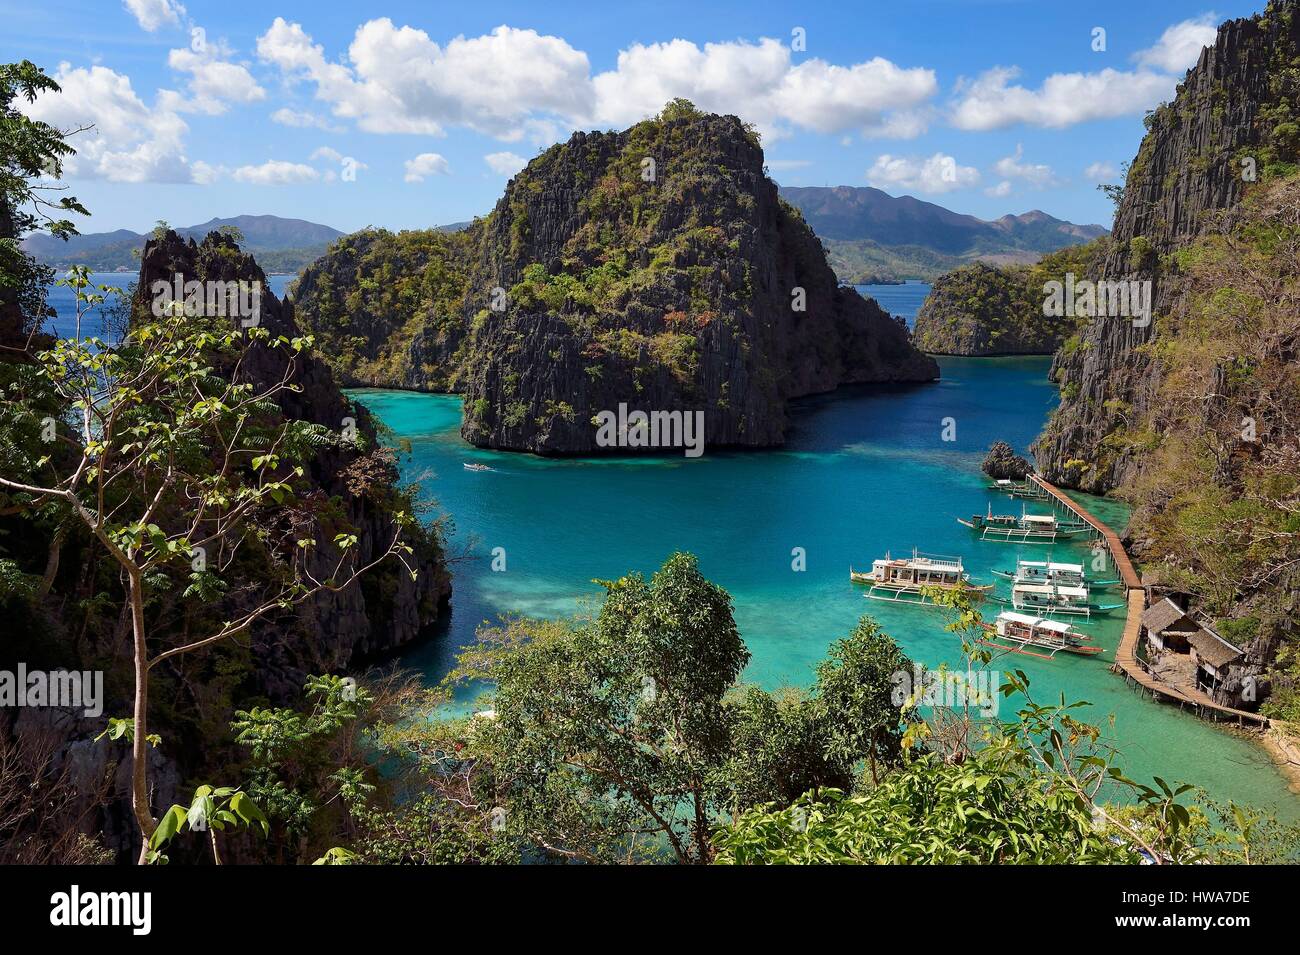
pixel 1127 660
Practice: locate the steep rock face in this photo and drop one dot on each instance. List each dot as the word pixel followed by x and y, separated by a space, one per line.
pixel 387 309
pixel 1193 418
pixel 1236 104
pixel 984 310
pixel 654 267
pixel 194 695
pixel 657 267
pixel 378 616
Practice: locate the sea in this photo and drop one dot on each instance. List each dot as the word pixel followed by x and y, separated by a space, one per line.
pixel 866 471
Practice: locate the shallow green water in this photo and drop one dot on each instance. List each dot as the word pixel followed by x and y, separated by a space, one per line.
pixel 865 471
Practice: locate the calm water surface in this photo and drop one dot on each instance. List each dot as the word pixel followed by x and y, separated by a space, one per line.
pixel 865 471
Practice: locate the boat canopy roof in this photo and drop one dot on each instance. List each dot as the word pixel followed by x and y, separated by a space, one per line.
pixel 1081 592
pixel 923 562
pixel 1034 588
pixel 1038 623
pixel 1040 518
pixel 1019 618
pixel 1072 568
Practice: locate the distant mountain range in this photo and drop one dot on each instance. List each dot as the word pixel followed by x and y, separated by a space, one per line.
pixel 873 235
pixel 280 245
pixel 869 235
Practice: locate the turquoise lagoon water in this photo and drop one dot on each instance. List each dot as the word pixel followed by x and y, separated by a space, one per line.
pixel 865 471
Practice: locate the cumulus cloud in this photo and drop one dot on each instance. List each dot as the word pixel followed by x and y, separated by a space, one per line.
pixel 425 165
pixel 398 80
pixel 993 101
pixel 213 80
pixel 520 85
pixel 759 83
pixel 1038 175
pixel 130 141
pixel 1001 189
pixel 1100 172
pixel 276 172
pixel 153 14
pixel 505 164
pixel 935 174
pixel 1180 46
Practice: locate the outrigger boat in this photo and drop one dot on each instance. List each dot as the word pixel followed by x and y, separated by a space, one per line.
pixel 1026 489
pixel 905 579
pixel 1017 632
pixel 1025 529
pixel 1051 599
pixel 1051 572
pixel 476 467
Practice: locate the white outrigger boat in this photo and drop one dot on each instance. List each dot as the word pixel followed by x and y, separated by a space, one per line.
pixel 1017 632
pixel 1025 489
pixel 905 579
pixel 1025 529
pixel 1052 572
pixel 1053 599
pixel 476 467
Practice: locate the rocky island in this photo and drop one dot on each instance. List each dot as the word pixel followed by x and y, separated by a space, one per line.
pixel 985 310
pixel 655 267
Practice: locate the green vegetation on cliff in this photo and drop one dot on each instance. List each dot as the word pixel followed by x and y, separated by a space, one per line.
pixel 1218 495
pixel 987 310
pixel 655 266
pixel 375 293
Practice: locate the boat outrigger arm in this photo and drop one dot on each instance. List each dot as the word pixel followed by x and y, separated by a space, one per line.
pixel 1025 529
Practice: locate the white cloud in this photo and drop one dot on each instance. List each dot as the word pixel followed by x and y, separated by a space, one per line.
pixel 520 85
pixel 130 141
pixel 214 81
pixel 326 152
pixel 991 101
pixel 276 172
pixel 152 14
pixel 759 83
pixel 398 80
pixel 1180 46
pixel 426 164
pixel 1100 172
pixel 303 119
pixel 505 164
pixel 935 174
pixel 1000 190
pixel 1038 175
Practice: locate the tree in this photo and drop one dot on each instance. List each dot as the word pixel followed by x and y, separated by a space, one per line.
pixel 178 473
pixel 605 735
pixel 30 151
pixel 626 737
pixel 855 688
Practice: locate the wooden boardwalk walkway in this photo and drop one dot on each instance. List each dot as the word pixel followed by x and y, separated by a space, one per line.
pixel 1127 660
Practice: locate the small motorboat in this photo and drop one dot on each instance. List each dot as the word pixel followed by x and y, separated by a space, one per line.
pixel 476 467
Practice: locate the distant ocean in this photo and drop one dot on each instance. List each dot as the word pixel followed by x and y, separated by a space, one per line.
pixel 95 323
pixel 903 300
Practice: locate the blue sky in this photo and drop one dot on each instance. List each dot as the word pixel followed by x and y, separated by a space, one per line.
pixel 406 115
